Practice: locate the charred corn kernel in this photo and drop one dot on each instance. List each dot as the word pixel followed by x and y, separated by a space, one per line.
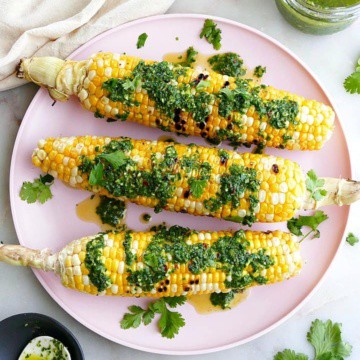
pixel 278 193
pixel 281 248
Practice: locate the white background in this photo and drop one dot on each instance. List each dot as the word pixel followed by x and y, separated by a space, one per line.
pixel 332 58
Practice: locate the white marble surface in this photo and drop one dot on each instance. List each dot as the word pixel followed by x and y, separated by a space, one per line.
pixel 332 58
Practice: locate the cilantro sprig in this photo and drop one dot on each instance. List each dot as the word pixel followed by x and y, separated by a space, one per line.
pixel 190 57
pixel 211 33
pixel 352 82
pixel 351 239
pixel 295 225
pixel 314 186
pixel 169 322
pixel 38 190
pixel 141 40
pixel 326 339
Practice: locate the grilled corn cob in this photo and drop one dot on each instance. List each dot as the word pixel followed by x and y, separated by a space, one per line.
pixel 120 263
pixel 187 178
pixel 183 100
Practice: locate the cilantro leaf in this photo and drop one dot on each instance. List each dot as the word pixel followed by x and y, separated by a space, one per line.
pixel 290 355
pixel 190 57
pixel 148 317
pixel 169 323
pixel 116 159
pixel 174 301
pixel 197 187
pixel 314 185
pixel 141 40
pixel 326 339
pixel 313 221
pixel 352 83
pixel 211 33
pixel 38 190
pixel 96 174
pixel 352 239
pixel 133 319
pixel 203 84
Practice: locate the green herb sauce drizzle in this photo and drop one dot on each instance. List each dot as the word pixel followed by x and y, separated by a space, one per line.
pixel 93 262
pixel 228 253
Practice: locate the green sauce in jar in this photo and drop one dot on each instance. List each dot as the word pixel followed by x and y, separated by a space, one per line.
pixel 320 17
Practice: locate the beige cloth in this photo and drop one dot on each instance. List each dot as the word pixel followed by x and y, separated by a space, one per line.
pixel 58 27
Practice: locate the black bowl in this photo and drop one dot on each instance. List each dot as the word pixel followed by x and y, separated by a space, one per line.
pixel 18 330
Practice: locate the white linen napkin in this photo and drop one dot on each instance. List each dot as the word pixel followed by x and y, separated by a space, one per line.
pixel 58 27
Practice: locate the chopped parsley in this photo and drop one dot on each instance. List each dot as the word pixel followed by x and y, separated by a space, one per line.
pixel 169 322
pixel 211 33
pixel 229 63
pixel 190 57
pixel 352 82
pixel 222 300
pixel 259 71
pixel 281 112
pixel 229 254
pixel 314 186
pixel 122 89
pixel 295 225
pixel 233 185
pixel 111 211
pixel 326 339
pixel 38 190
pixel 141 40
pixel 351 239
pixel 97 270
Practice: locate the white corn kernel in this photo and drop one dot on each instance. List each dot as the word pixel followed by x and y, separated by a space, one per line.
pixel 85 280
pixel 283 187
pixel 282 198
pixel 83 94
pixel 121 267
pixel 75 260
pixel 41 154
pixel 77 270
pixel 262 195
pixel 92 74
pixel 114 289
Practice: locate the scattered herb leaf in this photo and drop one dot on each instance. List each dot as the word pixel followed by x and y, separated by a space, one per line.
pixel 352 239
pixel 313 221
pixel 352 82
pixel 326 339
pixel 259 71
pixel 141 40
pixel 314 186
pixel 38 190
pixel 190 57
pixel 212 33
pixel 169 323
pixel 290 355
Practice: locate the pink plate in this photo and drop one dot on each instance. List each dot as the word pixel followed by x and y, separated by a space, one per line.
pixel 55 223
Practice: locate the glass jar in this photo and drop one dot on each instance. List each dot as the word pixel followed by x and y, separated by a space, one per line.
pixel 320 17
